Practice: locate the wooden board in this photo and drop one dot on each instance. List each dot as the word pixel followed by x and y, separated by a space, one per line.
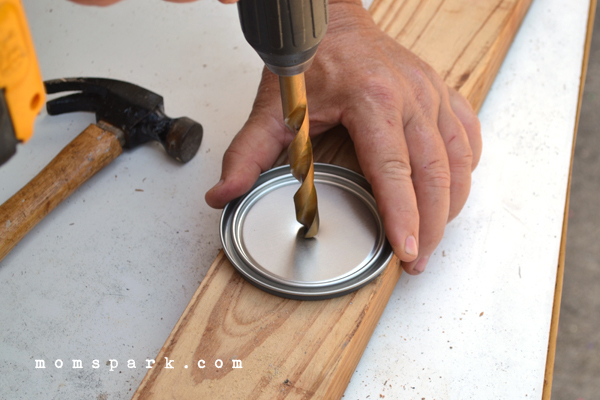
pixel 309 350
pixel 560 271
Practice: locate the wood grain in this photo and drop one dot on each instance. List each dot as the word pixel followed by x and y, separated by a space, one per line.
pixel 85 155
pixel 308 350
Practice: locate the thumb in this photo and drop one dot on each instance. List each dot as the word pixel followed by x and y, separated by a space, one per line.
pixel 255 148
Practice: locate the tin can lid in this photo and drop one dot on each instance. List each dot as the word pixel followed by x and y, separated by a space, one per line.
pixel 265 243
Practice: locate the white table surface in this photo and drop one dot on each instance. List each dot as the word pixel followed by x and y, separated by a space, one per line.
pixel 108 273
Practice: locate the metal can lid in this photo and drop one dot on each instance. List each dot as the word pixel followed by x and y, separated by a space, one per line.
pixel 265 243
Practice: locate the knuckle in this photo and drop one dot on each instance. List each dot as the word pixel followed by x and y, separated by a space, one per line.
pixel 421 75
pixel 409 216
pixel 427 99
pixel 378 90
pixel 232 153
pixel 436 80
pixel 436 174
pixel 235 153
pixel 462 161
pixel 394 168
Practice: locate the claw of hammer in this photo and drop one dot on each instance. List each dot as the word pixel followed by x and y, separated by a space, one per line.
pixel 127 115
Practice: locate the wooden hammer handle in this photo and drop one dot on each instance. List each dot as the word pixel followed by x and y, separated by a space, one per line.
pixel 87 154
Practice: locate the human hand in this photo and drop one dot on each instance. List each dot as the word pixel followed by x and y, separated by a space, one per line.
pixel 416 139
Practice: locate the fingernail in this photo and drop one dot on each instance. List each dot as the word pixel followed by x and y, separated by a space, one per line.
pixel 421 264
pixel 222 181
pixel 410 246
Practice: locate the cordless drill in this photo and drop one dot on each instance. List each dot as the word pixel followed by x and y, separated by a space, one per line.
pixel 286 34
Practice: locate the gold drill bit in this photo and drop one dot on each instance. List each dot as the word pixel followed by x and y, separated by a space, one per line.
pixel 295 114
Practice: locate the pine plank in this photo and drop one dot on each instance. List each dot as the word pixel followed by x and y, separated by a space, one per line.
pixel 309 350
pixel 560 271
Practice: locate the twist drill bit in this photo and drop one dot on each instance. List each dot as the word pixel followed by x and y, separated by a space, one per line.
pixel 295 114
pixel 286 34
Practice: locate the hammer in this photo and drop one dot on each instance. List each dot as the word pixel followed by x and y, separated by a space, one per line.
pixel 127 116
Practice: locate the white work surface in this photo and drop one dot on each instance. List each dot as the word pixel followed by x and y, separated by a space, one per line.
pixel 108 273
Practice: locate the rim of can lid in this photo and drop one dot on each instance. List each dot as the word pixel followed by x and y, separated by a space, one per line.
pixel 264 243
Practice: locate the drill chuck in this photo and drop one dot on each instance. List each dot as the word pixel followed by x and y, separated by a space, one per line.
pixel 284 33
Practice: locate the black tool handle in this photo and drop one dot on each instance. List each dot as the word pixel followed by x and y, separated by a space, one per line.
pixel 285 33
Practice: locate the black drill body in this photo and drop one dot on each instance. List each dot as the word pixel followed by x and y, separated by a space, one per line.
pixel 285 33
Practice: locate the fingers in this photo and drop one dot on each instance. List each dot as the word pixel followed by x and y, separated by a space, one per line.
pixel 431 177
pixel 443 155
pixel 254 149
pixel 383 156
pixel 460 156
pixel 463 110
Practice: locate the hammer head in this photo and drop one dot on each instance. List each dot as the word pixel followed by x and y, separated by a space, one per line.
pixel 138 112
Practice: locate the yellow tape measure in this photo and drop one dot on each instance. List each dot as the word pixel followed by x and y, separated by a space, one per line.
pixel 20 79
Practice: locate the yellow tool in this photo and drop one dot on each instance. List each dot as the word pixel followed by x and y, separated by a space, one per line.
pixel 21 86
